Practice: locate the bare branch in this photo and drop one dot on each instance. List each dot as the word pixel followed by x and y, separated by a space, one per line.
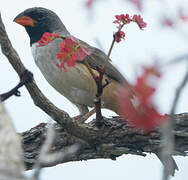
pixel 178 59
pixel 178 93
pixel 116 139
pixel 26 77
pixel 168 136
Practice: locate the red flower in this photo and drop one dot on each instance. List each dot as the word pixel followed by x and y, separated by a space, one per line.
pixel 140 112
pixel 47 38
pixel 70 51
pixel 124 19
pixel 139 20
pixel 118 36
pixel 144 86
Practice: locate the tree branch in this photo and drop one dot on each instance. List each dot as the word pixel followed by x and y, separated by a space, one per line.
pixel 26 77
pixel 116 139
pixel 168 136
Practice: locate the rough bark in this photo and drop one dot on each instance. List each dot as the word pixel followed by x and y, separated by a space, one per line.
pixel 114 139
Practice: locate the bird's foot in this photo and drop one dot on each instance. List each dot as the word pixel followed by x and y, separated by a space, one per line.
pixel 83 118
pixel 77 117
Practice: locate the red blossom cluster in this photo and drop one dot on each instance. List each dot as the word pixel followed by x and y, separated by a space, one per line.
pixel 118 36
pixel 124 19
pixel 70 51
pixel 139 20
pixel 47 38
pixel 140 112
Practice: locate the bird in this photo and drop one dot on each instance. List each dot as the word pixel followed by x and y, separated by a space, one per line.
pixel 77 84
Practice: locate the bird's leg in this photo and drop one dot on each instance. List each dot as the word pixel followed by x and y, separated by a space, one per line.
pixel 89 114
pixel 77 117
pixel 83 118
pixel 26 77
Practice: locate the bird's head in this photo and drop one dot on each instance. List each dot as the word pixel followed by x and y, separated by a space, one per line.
pixel 39 20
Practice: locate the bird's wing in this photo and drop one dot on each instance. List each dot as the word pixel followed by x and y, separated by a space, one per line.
pixel 98 58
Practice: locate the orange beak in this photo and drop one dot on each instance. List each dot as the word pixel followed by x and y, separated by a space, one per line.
pixel 25 21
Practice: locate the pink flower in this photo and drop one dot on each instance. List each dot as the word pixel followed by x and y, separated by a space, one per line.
pixel 71 51
pixel 141 114
pixel 139 20
pixel 122 18
pixel 47 38
pixel 144 87
pixel 118 36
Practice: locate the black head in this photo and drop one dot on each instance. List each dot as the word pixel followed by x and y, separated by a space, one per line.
pixel 39 20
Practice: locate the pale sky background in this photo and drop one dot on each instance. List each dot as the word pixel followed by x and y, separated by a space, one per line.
pixel 139 48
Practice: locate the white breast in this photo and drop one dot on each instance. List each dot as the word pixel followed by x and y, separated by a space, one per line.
pixel 74 84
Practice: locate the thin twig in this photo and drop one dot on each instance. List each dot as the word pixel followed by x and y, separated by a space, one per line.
pixel 26 77
pixel 178 93
pixel 178 59
pixel 168 136
pixel 100 86
pixel 110 50
pixel 109 53
pixel 99 79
